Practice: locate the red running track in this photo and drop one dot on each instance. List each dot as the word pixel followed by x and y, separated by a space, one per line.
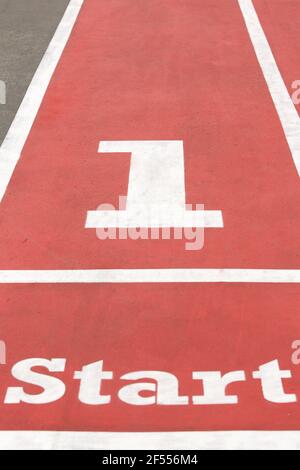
pixel 157 70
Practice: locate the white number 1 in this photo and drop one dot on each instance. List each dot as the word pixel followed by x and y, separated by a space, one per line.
pixel 156 189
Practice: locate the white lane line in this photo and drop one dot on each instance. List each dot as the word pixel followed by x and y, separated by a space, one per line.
pixel 197 440
pixel 11 148
pixel 110 276
pixel 286 110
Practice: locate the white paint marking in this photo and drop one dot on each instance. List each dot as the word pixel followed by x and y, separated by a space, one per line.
pixel 286 110
pixel 155 218
pixel 90 276
pixel 197 440
pixel 12 146
pixel 156 190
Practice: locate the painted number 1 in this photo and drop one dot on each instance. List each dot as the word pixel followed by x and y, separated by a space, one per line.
pixel 156 190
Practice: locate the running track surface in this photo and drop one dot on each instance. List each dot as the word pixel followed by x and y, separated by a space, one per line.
pixel 155 70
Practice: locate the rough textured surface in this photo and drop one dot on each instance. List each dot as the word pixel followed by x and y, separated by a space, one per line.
pixel 217 358
pixel 26 29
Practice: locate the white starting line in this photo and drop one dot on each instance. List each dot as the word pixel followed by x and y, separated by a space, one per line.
pixel 197 440
pixel 90 276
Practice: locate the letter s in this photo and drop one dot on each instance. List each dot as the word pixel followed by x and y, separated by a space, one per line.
pixel 53 388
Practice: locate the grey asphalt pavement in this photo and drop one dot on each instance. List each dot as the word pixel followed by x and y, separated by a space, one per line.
pixel 26 28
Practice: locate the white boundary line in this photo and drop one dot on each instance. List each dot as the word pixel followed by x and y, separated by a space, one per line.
pixel 286 110
pixel 112 276
pixel 205 440
pixel 12 146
